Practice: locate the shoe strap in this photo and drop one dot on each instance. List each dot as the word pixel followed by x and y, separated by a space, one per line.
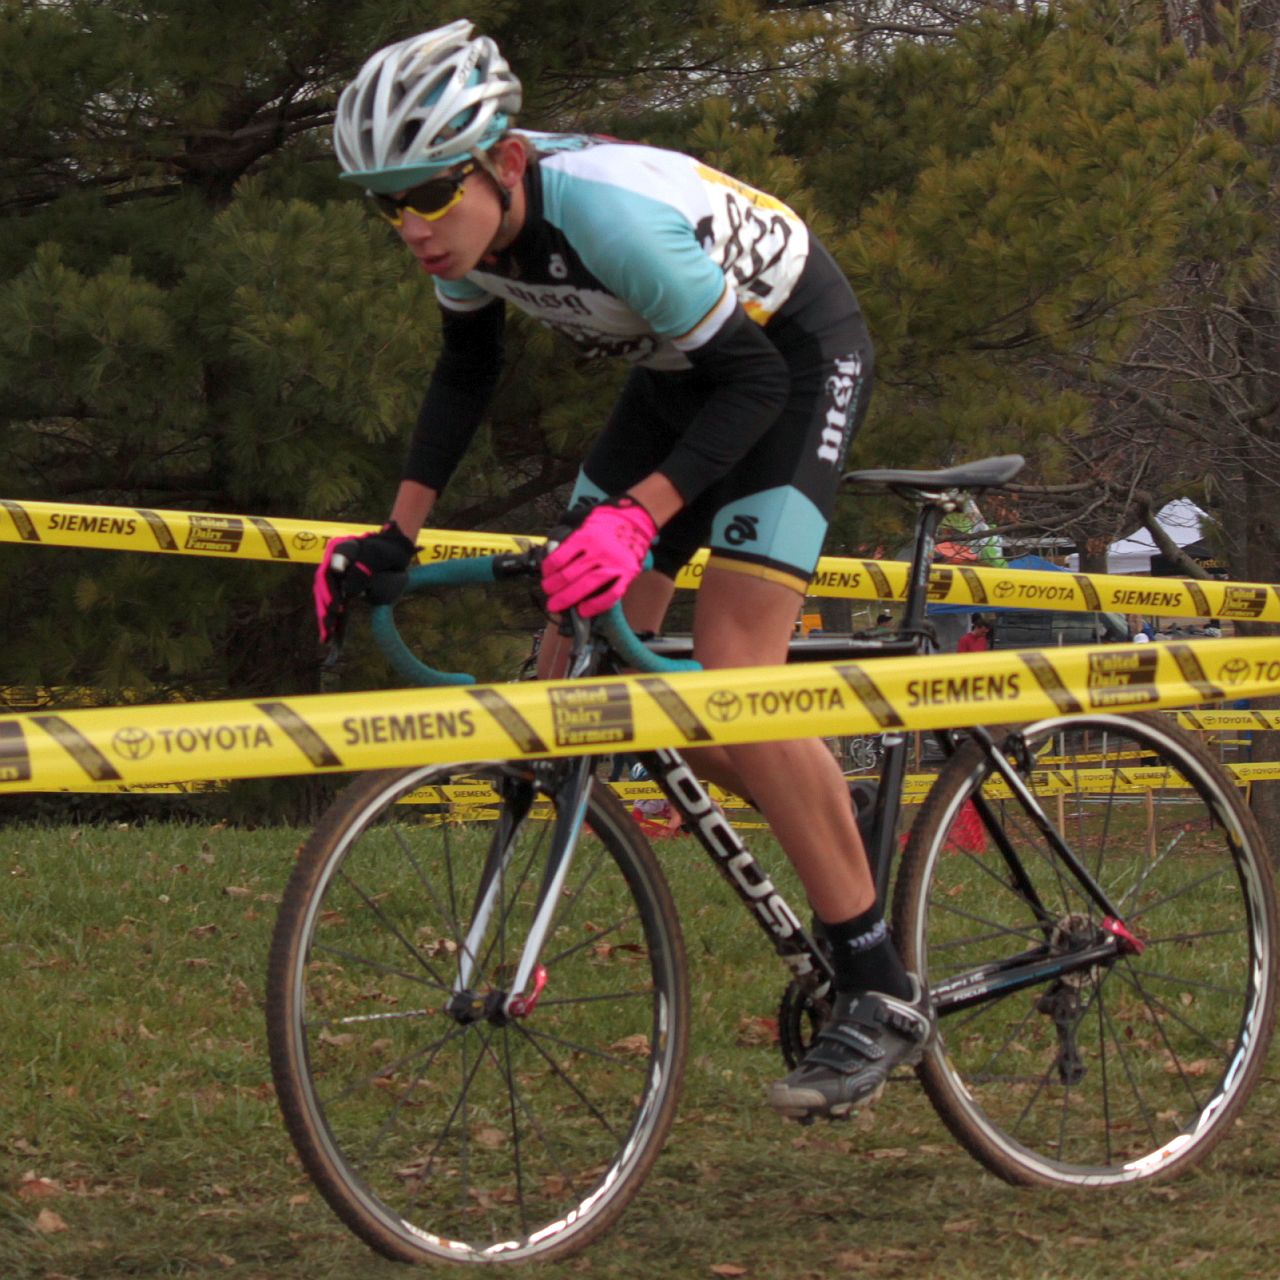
pixel 904 1020
pixel 843 1048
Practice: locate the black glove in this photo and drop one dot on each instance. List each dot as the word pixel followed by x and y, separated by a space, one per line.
pixel 348 569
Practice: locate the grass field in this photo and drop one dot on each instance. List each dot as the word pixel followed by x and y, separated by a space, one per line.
pixel 141 1138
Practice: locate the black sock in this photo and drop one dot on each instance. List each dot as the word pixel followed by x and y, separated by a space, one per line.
pixel 864 956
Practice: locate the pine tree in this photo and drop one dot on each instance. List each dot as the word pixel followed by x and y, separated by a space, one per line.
pixel 195 313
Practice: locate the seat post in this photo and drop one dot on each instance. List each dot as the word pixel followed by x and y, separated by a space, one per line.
pixel 934 507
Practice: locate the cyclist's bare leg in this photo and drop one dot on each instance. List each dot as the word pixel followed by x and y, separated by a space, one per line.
pixel 645 607
pixel 744 621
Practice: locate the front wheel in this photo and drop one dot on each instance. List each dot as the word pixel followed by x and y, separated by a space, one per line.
pixel 1134 1065
pixel 439 1122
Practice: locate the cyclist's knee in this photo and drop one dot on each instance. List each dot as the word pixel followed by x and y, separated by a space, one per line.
pixel 743 620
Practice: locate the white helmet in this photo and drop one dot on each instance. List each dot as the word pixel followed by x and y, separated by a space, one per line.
pixel 423 105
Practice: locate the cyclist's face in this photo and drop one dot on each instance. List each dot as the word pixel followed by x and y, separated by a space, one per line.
pixel 453 244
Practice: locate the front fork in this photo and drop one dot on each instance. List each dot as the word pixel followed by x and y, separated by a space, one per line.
pixel 569 785
pixel 571 795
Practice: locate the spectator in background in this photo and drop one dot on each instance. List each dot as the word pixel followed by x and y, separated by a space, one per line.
pixel 1140 630
pixel 884 625
pixel 978 638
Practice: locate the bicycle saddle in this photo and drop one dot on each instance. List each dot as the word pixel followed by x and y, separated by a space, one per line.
pixel 986 473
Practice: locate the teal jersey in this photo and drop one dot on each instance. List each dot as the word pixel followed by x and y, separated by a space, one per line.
pixel 637 252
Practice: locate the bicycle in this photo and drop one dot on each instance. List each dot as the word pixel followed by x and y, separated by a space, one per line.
pixel 478 1035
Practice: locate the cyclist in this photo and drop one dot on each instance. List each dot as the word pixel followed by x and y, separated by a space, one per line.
pixel 751 372
pixel 979 636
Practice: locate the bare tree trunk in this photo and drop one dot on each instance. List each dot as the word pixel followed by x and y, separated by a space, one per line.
pixel 1262 527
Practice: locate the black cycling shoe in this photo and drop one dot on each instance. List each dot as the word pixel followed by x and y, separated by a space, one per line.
pixel 867 1035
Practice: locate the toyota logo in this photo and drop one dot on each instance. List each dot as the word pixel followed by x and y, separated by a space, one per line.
pixel 304 540
pixel 1004 588
pixel 132 744
pixel 1234 672
pixel 724 705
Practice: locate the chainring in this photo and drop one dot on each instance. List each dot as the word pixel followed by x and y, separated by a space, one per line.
pixel 800 1017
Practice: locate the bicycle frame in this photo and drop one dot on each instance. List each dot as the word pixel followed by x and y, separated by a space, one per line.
pixel 518 1120
pixel 751 883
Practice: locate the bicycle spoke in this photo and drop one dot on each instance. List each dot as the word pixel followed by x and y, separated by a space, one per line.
pixel 569 1081
pixel 638 993
pixel 1156 1005
pixel 447 912
pixel 592 941
pixel 590 1050
pixel 1029 933
pixel 401 1102
pixel 1181 892
pixel 1125 1062
pixel 1183 983
pixel 387 970
pixel 1148 1055
pixel 516 1096
pixel 984 1071
pixel 376 908
pixel 486 1135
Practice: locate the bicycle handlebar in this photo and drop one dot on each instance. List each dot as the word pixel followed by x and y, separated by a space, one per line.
pixel 475 570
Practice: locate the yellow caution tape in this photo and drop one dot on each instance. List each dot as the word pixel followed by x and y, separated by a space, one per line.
pixel 288 541
pixel 1242 718
pixel 462 800
pixel 284 541
pixel 324 733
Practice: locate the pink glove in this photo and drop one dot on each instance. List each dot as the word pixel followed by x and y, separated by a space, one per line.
pixel 593 567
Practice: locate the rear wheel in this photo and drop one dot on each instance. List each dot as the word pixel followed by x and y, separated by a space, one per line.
pixel 1131 1067
pixel 442 1126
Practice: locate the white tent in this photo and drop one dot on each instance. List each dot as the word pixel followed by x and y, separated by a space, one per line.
pixel 1180 518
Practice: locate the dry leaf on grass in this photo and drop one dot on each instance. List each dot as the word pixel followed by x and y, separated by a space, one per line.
pixel 35 1188
pixel 727 1269
pixel 637 1044
pixel 754 1030
pixel 873 1256
pixel 1029 1236
pixel 1176 1067
pixel 48 1222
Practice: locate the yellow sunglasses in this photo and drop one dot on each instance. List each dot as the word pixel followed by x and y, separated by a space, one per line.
pixel 430 200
